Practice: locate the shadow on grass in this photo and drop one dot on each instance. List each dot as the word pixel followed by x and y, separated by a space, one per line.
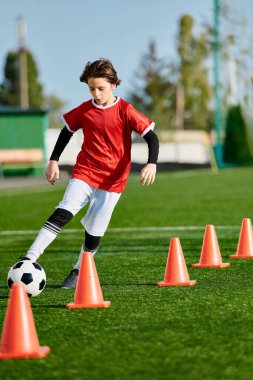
pixel 134 284
pixel 55 286
pixel 62 306
pixel 106 284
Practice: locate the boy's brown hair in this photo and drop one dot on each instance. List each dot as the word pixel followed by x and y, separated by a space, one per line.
pixel 102 68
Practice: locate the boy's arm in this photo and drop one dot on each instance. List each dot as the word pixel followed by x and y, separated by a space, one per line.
pixel 149 171
pixel 52 171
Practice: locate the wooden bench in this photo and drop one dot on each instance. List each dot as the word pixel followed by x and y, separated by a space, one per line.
pixel 20 159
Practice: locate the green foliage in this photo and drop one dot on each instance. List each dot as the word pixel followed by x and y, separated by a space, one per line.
pixel 193 75
pixel 154 93
pixel 9 89
pixel 35 90
pixel 236 53
pixel 236 146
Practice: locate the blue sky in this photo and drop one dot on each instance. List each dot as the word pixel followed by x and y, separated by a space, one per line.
pixel 63 35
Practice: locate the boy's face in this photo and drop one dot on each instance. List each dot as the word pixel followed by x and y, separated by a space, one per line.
pixel 101 90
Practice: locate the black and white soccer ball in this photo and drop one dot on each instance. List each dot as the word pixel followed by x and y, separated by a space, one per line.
pixel 32 275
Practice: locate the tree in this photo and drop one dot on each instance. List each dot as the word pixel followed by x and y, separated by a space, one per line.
pixel 193 75
pixel 236 146
pixel 236 80
pixel 177 95
pixel 154 92
pixel 237 54
pixel 9 89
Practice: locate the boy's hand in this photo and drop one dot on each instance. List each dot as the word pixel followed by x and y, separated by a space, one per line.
pixel 148 174
pixel 52 172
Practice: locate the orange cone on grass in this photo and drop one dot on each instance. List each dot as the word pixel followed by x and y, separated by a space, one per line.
pixel 210 253
pixel 176 273
pixel 88 292
pixel 19 337
pixel 245 242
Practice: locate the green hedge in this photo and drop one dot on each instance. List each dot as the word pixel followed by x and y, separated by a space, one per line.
pixel 236 145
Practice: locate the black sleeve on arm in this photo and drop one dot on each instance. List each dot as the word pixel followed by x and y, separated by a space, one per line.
pixel 61 143
pixel 153 146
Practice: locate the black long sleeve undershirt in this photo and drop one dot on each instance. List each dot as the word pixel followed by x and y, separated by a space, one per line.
pixel 63 139
pixel 65 135
pixel 153 146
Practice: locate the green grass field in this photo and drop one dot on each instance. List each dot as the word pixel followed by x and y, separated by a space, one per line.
pixel 149 333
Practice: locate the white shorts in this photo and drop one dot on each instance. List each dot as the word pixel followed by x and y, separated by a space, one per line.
pixel 102 203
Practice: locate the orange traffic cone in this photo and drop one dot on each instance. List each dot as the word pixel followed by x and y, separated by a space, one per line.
pixel 88 292
pixel 245 243
pixel 19 337
pixel 210 253
pixel 176 273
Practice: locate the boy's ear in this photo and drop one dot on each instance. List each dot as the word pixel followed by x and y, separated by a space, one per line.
pixel 113 86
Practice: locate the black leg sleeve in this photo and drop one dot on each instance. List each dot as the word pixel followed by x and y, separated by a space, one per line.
pixel 91 243
pixel 60 217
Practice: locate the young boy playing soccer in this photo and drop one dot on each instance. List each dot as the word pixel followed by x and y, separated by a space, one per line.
pixel 103 164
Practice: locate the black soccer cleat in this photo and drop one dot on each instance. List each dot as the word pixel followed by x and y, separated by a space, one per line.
pixel 22 258
pixel 70 280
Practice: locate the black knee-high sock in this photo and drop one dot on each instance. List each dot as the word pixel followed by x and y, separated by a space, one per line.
pixel 91 244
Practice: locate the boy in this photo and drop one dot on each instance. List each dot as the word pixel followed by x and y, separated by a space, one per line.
pixel 103 164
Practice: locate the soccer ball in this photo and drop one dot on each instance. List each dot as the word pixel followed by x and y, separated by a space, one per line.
pixel 32 275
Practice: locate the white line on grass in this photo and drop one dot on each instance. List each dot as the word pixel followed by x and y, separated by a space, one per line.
pixel 18 192
pixel 123 229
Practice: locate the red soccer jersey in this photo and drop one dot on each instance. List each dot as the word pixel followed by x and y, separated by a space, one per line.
pixel 105 158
